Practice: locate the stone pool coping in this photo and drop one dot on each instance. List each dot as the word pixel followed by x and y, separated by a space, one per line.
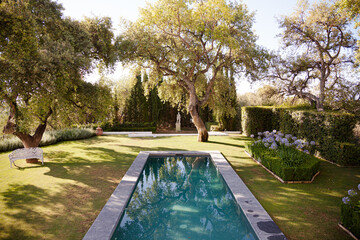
pixel 105 223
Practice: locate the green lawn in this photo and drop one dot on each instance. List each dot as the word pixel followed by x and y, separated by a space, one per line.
pixel 61 199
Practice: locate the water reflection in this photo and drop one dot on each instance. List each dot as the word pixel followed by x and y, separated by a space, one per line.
pixel 182 198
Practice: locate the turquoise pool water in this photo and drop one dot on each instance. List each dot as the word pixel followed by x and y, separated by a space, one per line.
pixel 182 198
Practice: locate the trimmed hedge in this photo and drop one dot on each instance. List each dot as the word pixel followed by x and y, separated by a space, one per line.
pixel 332 132
pixel 304 172
pixel 257 119
pixel 129 126
pixel 350 218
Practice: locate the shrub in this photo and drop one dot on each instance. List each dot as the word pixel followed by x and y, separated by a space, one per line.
pixel 49 138
pixel 216 128
pixel 350 211
pixel 281 155
pixel 256 119
pixel 52 137
pixel 348 153
pixel 130 126
pixel 10 143
pixel 208 125
pixel 334 132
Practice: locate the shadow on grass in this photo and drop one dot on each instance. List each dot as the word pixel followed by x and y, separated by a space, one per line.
pixel 61 215
pixel 22 200
pixel 39 165
pixel 13 233
pixel 227 144
pixel 240 138
pixel 87 182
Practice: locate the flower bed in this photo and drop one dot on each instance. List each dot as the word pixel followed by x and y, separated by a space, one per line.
pixel 285 155
pixel 350 212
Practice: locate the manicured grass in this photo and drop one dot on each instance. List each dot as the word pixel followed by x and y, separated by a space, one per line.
pixel 61 199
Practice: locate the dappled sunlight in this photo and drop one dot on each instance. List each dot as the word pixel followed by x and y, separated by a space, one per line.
pixel 78 178
pixel 37 208
pixel 227 144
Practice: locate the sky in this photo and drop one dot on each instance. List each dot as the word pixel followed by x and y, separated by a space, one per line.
pixel 265 26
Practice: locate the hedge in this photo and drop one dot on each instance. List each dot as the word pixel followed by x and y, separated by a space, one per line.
pixel 350 218
pixel 257 119
pixel 129 126
pixel 332 132
pixel 304 172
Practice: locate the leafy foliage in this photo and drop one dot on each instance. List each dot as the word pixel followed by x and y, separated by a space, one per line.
pixel 144 104
pixel 136 105
pixel 43 59
pixel 352 9
pixel 317 38
pixel 266 95
pixel 186 44
pixel 345 95
pixel 333 132
pixel 257 119
pixel 223 101
pixel 129 126
pixel 350 211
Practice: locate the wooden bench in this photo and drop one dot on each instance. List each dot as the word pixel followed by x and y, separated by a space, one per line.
pixel 26 153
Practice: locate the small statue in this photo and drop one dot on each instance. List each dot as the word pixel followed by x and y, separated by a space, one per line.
pixel 178 124
pixel 178 118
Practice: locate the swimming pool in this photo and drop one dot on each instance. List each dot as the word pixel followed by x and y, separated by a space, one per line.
pixel 182 195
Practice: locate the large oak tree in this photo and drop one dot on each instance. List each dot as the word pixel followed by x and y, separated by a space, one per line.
pixel 186 44
pixel 43 58
pixel 318 37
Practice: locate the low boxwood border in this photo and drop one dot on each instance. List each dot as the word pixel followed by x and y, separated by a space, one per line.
pixel 305 173
pixel 279 178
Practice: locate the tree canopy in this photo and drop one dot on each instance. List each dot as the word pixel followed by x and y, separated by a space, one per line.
pixel 187 43
pixel 352 9
pixel 317 37
pixel 43 58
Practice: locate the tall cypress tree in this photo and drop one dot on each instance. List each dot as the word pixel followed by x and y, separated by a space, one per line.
pixel 136 105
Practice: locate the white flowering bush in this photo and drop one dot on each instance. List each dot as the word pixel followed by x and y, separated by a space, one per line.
pixel 284 154
pixel 350 211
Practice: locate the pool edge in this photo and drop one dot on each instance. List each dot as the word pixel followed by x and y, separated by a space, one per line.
pixel 263 225
pixel 261 222
pixel 109 216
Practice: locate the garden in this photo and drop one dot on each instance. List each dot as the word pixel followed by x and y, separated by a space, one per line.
pixel 295 141
pixel 62 198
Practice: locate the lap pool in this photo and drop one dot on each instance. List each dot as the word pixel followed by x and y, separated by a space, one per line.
pixel 182 195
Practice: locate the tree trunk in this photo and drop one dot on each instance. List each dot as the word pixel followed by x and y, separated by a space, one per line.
pixel 319 106
pixel 320 103
pixel 27 140
pixel 32 141
pixel 203 135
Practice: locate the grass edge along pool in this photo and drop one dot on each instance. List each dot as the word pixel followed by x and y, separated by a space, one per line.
pixel 260 221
